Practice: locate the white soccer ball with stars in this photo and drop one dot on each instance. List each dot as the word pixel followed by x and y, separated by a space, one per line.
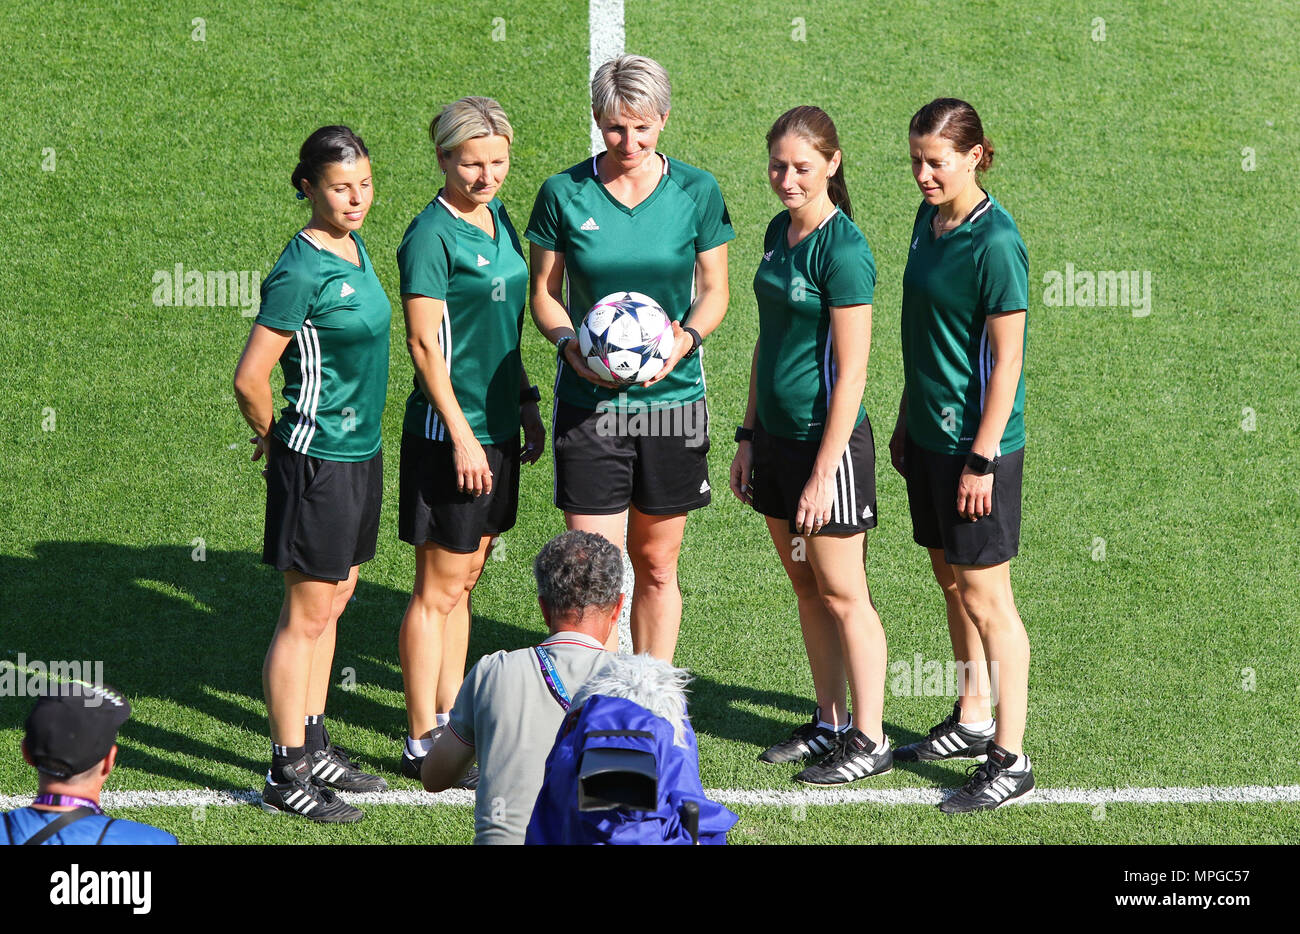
pixel 626 338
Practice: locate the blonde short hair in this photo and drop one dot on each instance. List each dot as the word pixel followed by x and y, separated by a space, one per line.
pixel 633 84
pixel 469 118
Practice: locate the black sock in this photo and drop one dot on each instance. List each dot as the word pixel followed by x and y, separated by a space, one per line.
pixel 282 756
pixel 314 731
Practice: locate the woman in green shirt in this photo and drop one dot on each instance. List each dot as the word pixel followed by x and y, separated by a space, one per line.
pixel 463 283
pixel 325 319
pixel 960 440
pixel 805 456
pixel 632 460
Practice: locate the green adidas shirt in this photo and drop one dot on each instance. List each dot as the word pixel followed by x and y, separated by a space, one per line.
pixel 609 247
pixel 336 366
pixel 482 281
pixel 950 287
pixel 796 287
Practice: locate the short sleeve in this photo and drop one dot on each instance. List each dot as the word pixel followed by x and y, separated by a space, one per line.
pixel 849 274
pixel 1003 269
pixel 715 221
pixel 774 226
pixel 462 718
pixel 544 225
pixel 287 297
pixel 424 262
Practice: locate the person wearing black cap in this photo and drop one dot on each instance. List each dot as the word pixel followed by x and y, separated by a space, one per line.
pixel 71 741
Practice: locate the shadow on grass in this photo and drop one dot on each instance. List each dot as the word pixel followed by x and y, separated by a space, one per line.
pixel 194 633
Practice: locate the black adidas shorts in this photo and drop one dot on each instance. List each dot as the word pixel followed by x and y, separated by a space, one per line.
pixel 322 516
pixel 782 467
pixel 932 497
pixel 432 511
pixel 655 458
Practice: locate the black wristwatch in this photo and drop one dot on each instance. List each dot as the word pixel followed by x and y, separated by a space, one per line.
pixel 531 394
pixel 980 464
pixel 696 340
pixel 744 434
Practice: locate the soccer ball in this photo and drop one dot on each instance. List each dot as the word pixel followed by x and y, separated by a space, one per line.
pixel 626 338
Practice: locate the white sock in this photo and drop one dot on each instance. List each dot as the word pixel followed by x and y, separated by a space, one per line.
pixel 834 728
pixel 1020 765
pixel 441 719
pixel 418 747
pixel 981 726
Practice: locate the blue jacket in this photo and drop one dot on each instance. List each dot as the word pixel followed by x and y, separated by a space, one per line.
pixel 556 818
pixel 18 826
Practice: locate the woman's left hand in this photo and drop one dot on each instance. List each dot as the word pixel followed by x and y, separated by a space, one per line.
pixel 974 494
pixel 681 344
pixel 534 434
pixel 814 509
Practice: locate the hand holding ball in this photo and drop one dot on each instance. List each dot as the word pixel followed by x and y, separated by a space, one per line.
pixel 626 338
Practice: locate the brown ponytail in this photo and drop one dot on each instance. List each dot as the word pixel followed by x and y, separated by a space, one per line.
pixel 958 123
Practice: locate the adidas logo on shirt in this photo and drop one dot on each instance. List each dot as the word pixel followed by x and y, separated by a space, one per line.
pixel 590 224
pixel 346 291
pixel 916 241
pixel 483 261
pixel 768 255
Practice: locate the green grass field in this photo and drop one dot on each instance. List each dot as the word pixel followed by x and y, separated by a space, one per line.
pixel 1160 563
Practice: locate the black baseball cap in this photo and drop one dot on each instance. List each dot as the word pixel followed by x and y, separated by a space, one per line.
pixel 68 731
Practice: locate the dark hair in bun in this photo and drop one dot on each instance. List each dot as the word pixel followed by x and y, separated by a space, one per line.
pixel 327 145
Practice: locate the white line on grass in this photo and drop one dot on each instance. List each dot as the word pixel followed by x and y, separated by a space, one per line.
pixel 606 39
pixel 605 25
pixel 1238 794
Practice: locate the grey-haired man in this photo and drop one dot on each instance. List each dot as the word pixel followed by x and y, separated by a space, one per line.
pixel 512 703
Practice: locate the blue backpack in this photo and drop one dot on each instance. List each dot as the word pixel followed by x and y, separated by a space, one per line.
pixel 606 730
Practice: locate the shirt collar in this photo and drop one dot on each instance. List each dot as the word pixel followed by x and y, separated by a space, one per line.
pixel 569 635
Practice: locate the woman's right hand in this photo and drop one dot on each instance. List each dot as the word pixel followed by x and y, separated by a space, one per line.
pixel 742 473
pixel 472 473
pixel 262 451
pixel 573 357
pixel 898 444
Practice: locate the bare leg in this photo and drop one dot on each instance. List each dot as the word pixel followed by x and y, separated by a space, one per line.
pixel 431 630
pixel 322 661
pixel 820 636
pixel 837 560
pixel 967 647
pixel 653 546
pixel 987 598
pixel 305 615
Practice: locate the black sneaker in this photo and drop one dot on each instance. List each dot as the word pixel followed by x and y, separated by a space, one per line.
pixel 948 740
pixel 411 765
pixel 332 768
pixel 991 785
pixel 853 757
pixel 806 742
pixel 299 794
